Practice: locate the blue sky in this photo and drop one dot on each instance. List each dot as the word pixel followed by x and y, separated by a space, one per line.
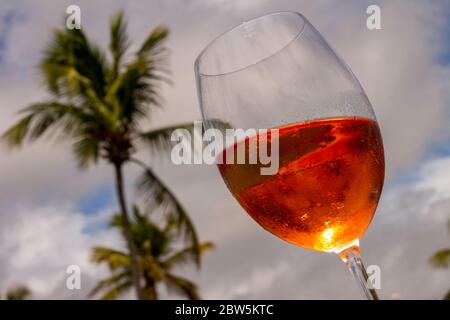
pixel 6 23
pixel 444 57
pixel 99 199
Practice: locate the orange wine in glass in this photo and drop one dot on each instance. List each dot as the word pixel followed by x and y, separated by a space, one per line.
pixel 327 187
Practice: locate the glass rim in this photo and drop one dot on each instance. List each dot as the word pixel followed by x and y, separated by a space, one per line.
pixel 221 35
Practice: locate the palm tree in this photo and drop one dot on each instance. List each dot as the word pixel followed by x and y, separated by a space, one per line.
pixel 159 252
pixel 98 103
pixel 19 292
pixel 441 260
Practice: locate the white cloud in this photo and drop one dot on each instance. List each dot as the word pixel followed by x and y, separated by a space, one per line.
pixel 435 176
pixel 39 243
pixel 254 285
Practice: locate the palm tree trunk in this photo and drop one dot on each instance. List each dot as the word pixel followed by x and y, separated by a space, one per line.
pixel 150 289
pixel 135 272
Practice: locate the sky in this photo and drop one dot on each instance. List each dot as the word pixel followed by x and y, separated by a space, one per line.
pixel 51 214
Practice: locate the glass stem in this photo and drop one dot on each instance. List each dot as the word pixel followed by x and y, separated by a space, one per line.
pixel 352 259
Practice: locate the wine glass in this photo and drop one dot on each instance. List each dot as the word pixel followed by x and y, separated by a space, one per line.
pixel 277 72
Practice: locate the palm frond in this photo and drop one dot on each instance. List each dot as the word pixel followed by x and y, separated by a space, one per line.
pixel 136 88
pixel 155 193
pixel 186 255
pixel 70 49
pixel 113 258
pixel 133 92
pixel 86 150
pixel 118 41
pixel 108 282
pixel 16 134
pixel 18 293
pixel 181 286
pixel 447 296
pixel 159 140
pixel 117 290
pixel 116 221
pixel 154 44
pixel 149 237
pixel 214 123
pixel 441 259
pixel 152 268
pixel 40 117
